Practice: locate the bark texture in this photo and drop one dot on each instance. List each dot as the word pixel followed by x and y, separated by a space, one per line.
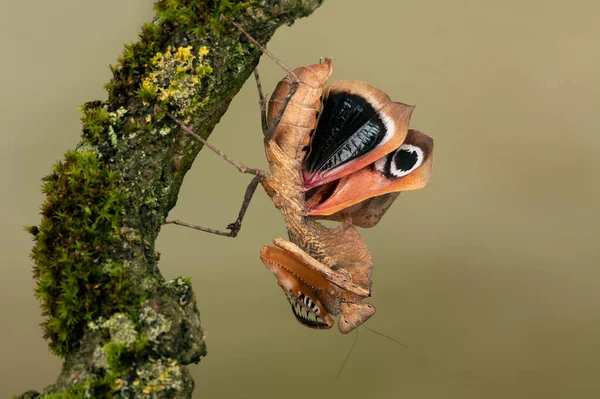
pixel 123 330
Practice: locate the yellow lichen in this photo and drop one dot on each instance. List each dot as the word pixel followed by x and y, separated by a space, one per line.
pixel 117 384
pixel 175 76
pixel 202 51
pixel 184 53
pixel 158 376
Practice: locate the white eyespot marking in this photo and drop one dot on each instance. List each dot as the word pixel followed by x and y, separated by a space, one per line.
pixel 406 159
pixel 380 164
pixel 390 128
pixel 401 162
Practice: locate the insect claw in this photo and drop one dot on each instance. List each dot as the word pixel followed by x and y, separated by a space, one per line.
pixel 234 228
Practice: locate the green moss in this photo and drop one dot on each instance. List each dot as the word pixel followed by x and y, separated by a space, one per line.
pixel 95 120
pixel 123 363
pixel 125 349
pixel 147 92
pixel 100 125
pixel 200 15
pixel 76 391
pixel 76 279
pixel 116 362
pixel 132 64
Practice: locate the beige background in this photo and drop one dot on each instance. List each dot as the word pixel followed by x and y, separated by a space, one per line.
pixel 490 275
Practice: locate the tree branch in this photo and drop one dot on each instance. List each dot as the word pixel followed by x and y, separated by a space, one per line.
pixel 121 328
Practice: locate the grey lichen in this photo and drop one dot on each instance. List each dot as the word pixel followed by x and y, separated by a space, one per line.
pixel 182 286
pixel 121 329
pixel 154 324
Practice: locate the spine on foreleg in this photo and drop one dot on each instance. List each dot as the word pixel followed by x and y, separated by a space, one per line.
pixel 300 117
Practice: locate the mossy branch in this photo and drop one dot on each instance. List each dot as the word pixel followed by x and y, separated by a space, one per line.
pixel 121 328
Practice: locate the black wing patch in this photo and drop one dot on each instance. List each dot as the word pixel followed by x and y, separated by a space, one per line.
pixel 348 128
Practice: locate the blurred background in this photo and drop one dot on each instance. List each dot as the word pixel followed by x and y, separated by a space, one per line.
pixel 490 276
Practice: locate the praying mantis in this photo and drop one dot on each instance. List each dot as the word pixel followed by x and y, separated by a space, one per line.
pixel 341 153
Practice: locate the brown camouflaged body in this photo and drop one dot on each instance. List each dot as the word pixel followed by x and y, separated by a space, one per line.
pixel 300 117
pixel 341 248
pixel 328 270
